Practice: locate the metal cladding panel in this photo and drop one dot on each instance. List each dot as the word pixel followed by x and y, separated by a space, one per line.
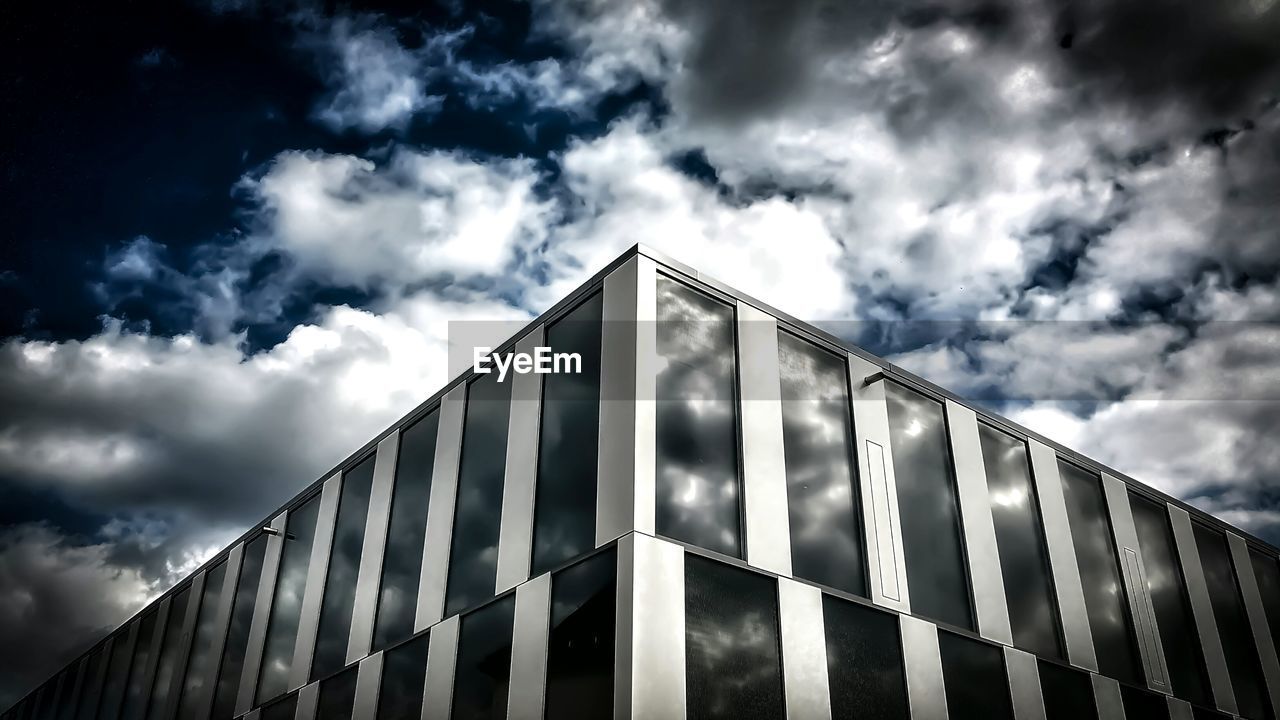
pixel 368 683
pixel 767 522
pixel 1141 609
pixel 442 659
pixel 526 693
pixel 804 651
pixel 885 566
pixel 1106 693
pixel 515 537
pixel 1062 556
pixel 651 578
pixel 625 495
pixel 188 631
pixel 313 594
pixel 261 614
pixel 226 601
pixel 1180 710
pixel 365 604
pixel 922 661
pixel 986 575
pixel 1024 685
pixel 156 641
pixel 1215 659
pixel 444 495
pixel 1257 615
pixel 308 701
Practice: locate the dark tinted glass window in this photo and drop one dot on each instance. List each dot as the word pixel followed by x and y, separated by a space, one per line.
pixel 1020 539
pixel 976 683
pixel 344 566
pixel 201 664
pixel 1068 694
pixel 135 695
pixel 696 468
pixel 1103 590
pixel 1199 713
pixel 406 532
pixel 238 632
pixel 172 645
pixel 733 664
pixel 283 709
pixel 44 701
pixel 580 648
pixel 1140 705
pixel 483 673
pixel 1267 570
pixel 817 436
pixel 91 688
pixel 568 445
pixel 864 662
pixel 473 558
pixel 286 605
pixel 337 696
pixel 1233 624
pixel 1169 597
pixel 927 506
pixel 74 686
pixel 404 674
pixel 117 676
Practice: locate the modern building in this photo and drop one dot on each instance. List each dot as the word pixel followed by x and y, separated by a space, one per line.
pixel 727 514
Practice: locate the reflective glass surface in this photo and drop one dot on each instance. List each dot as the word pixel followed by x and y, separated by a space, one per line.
pixel 1169 598
pixel 927 508
pixel 91 688
pixel 817 436
pixel 282 709
pixel 1140 705
pixel 404 674
pixel 136 693
pixel 696 468
pixel 171 645
pixel 1267 572
pixel 976 683
pixel 200 665
pixel 117 675
pixel 1233 624
pixel 286 605
pixel 337 696
pixel 580 644
pixel 864 662
pixel 482 676
pixel 733 664
pixel 473 557
pixel 568 444
pixel 1020 539
pixel 406 532
pixel 238 632
pixel 74 685
pixel 1104 593
pixel 344 567
pixel 1068 694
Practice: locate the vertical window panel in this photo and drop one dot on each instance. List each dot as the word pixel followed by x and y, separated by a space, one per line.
pixel 201 664
pixel 1104 593
pixel 404 675
pixel 171 646
pixel 238 631
pixel 482 676
pixel 337 696
pixel 344 566
pixel 696 468
pixel 286 605
pixel 473 557
pixel 91 691
pixel 1068 694
pixel 1267 571
pixel 117 677
pixel 1233 624
pixel 931 535
pixel 1169 597
pixel 864 662
pixel 568 444
pixel 580 643
pixel 1141 705
pixel 977 685
pixel 406 532
pixel 135 699
pixel 817 436
pixel 1024 560
pixel 733 662
pixel 283 709
pixel 67 703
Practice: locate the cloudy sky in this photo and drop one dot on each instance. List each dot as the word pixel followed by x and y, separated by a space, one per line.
pixel 233 234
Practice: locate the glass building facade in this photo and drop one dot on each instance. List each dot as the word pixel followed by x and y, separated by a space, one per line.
pixel 726 514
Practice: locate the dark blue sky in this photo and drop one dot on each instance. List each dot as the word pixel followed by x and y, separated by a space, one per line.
pixel 234 233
